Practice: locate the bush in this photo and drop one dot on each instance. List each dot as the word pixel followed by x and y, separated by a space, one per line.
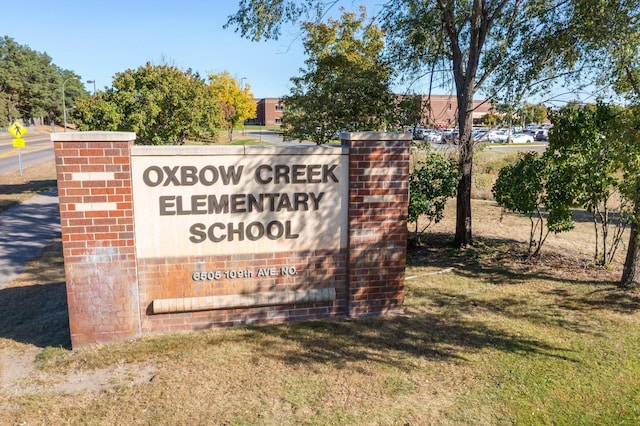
pixel 433 180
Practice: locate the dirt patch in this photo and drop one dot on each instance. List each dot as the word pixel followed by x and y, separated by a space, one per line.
pixel 20 376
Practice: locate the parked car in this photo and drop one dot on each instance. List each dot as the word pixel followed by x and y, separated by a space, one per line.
pixel 478 135
pixel 521 138
pixel 542 135
pixel 433 135
pixel 418 132
pixel 497 136
pixel 452 136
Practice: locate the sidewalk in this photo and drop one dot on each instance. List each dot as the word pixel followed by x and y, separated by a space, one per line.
pixel 24 232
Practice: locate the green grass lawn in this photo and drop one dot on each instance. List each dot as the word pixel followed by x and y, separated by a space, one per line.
pixel 485 339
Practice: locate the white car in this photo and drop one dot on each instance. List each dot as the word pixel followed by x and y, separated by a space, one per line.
pixel 521 138
pixel 433 136
pixel 497 136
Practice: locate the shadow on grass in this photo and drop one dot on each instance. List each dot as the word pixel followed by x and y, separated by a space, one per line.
pixel 613 299
pixel 446 324
pixel 396 340
pixel 31 186
pixel 506 262
pixel 35 315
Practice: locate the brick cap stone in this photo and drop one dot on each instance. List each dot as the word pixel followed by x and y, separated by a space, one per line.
pixel 376 136
pixel 296 149
pixel 93 137
pixel 178 150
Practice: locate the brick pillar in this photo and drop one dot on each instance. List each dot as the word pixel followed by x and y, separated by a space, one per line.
pixel 378 203
pixel 96 214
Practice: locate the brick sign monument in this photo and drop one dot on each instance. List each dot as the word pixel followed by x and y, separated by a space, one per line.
pixel 160 239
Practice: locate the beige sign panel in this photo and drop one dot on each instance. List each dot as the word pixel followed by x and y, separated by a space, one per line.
pixel 200 201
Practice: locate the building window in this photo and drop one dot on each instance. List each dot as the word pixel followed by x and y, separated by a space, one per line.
pixel 278 120
pixel 449 107
pixel 279 107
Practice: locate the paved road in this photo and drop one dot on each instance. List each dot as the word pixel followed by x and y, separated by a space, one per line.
pixel 24 231
pixel 38 149
pixel 271 137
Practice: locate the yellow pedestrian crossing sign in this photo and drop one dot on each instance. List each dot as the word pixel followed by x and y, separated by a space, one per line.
pixel 18 143
pixel 17 130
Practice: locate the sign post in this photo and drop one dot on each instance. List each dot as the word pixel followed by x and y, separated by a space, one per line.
pixel 18 130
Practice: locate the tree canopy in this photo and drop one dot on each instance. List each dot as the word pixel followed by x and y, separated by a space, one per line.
pixel 31 85
pixel 612 29
pixel 345 85
pixel 236 102
pixel 161 103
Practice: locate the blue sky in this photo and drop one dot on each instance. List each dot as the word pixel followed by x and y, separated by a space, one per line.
pixel 97 39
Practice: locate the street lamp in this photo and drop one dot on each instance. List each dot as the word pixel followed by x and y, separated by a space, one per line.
pixel 64 105
pixel 94 86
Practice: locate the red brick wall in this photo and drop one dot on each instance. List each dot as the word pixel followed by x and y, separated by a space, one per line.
pixel 96 214
pixel 378 204
pixel 163 278
pixel 111 293
pixel 267 112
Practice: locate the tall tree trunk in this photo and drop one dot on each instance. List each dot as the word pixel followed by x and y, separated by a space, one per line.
pixel 464 76
pixel 631 270
pixel 463 236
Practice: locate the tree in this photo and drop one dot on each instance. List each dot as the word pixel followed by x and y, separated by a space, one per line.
pixel 98 113
pixel 161 103
pixel 345 85
pixel 530 113
pixel 490 120
pixel 611 32
pixel 490 44
pixel 584 154
pixel 411 109
pixel 494 43
pixel 586 165
pixel 522 188
pixel 620 67
pixel 627 136
pixel 236 102
pixel 432 181
pixel 31 85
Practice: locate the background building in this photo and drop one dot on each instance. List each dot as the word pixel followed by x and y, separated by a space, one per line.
pixel 434 110
pixel 442 110
pixel 268 112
